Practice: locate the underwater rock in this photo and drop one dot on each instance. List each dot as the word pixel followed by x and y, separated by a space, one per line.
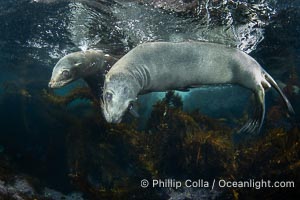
pixel 55 195
pixel 23 187
pixel 193 194
pixel 18 187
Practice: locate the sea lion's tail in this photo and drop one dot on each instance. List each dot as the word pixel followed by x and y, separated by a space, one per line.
pixel 274 84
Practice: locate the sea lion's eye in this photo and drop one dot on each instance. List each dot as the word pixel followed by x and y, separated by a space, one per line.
pixel 108 96
pixel 65 73
pixel 130 107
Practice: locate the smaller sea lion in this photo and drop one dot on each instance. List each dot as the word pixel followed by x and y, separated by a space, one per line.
pixel 90 65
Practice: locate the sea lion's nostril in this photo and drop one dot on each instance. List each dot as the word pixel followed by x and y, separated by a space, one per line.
pixel 50 84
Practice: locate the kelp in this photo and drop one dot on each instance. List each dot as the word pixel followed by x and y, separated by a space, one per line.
pixel 274 157
pixel 78 93
pixel 108 161
pixel 182 145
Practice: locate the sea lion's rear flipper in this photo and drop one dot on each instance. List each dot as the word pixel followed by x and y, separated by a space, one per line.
pixel 274 84
pixel 254 124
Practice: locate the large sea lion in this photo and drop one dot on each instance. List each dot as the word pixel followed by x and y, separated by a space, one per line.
pixel 90 65
pixel 162 66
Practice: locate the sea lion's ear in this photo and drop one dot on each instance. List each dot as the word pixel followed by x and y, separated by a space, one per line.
pixel 77 64
pixel 125 90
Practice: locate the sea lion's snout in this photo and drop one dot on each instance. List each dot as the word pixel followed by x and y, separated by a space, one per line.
pixel 112 119
pixel 53 84
pixel 111 113
pixel 50 84
pixel 116 120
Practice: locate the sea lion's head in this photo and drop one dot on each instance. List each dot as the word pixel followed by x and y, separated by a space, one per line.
pixel 66 70
pixel 119 92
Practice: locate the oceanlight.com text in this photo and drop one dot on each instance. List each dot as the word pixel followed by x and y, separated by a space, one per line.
pixel 221 183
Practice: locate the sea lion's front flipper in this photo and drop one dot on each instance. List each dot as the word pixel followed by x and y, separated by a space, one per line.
pixel 188 88
pixel 133 110
pixel 183 89
pixel 254 124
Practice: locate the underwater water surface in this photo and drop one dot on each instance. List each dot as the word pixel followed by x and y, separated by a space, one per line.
pixel 55 143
